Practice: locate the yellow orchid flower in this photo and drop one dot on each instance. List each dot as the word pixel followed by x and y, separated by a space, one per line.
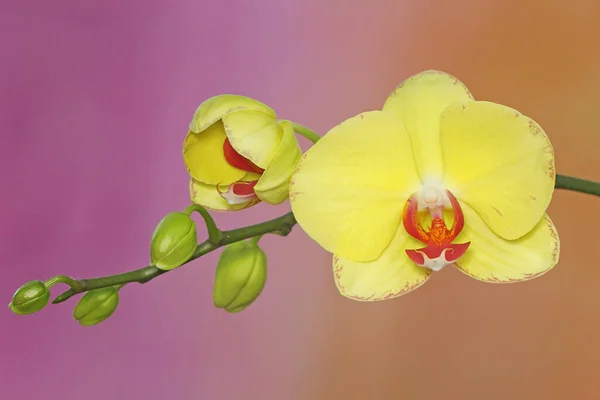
pixel 237 153
pixel 435 178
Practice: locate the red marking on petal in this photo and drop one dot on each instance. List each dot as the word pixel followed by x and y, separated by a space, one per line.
pixel 455 251
pixel 432 252
pixel 415 256
pixel 410 220
pixel 236 160
pixel 243 188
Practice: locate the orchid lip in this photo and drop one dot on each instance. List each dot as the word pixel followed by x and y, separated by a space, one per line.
pixel 239 192
pixel 439 250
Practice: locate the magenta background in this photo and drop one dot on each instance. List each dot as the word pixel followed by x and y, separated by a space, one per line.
pixel 95 102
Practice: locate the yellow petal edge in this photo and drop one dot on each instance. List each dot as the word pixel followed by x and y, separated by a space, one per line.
pixel 254 135
pixel 214 108
pixel 499 162
pixel 349 189
pixel 419 102
pixel 391 275
pixel 273 185
pixel 493 259
pixel 204 158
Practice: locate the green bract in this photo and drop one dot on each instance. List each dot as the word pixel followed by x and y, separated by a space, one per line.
pixel 174 241
pixel 30 298
pixel 96 305
pixel 240 277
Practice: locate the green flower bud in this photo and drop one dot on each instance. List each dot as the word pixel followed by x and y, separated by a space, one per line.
pixel 174 241
pixel 96 305
pixel 240 277
pixel 30 298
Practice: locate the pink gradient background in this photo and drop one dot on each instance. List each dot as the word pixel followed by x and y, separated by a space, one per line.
pixel 96 98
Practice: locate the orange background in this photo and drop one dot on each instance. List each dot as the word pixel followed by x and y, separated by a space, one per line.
pixel 456 338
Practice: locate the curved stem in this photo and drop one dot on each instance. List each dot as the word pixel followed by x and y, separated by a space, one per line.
pixel 281 226
pixel 214 233
pixel 304 131
pixel 577 185
pixel 74 283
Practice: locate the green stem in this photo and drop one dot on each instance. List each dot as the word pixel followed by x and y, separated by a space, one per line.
pixel 74 283
pixel 577 185
pixel 214 233
pixel 281 226
pixel 307 133
pixel 256 239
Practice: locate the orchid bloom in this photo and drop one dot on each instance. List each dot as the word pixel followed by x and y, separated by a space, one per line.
pixel 433 179
pixel 237 153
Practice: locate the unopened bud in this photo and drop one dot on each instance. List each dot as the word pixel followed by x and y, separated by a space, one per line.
pixel 96 305
pixel 174 241
pixel 240 277
pixel 30 298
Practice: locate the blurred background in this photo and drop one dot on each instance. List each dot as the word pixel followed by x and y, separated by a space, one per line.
pixel 95 100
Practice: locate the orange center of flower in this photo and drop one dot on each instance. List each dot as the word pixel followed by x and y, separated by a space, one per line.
pixel 439 250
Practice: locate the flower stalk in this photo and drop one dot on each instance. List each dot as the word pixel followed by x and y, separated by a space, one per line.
pixel 577 185
pixel 304 131
pixel 281 226
pixel 214 234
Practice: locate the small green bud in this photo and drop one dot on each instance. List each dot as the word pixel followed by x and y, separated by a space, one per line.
pixel 96 305
pixel 30 298
pixel 240 277
pixel 174 241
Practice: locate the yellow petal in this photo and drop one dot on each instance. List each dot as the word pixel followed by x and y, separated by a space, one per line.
pixel 251 176
pixel 349 189
pixel 214 108
pixel 253 134
pixel 493 259
pixel 391 275
pixel 273 186
pixel 204 157
pixel 208 197
pixel 500 162
pixel 419 102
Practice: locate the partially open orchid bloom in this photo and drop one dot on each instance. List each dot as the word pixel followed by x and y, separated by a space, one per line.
pixel 237 153
pixel 434 179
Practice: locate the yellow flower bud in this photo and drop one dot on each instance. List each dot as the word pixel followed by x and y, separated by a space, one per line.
pixel 30 298
pixel 238 153
pixel 96 305
pixel 240 277
pixel 174 241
